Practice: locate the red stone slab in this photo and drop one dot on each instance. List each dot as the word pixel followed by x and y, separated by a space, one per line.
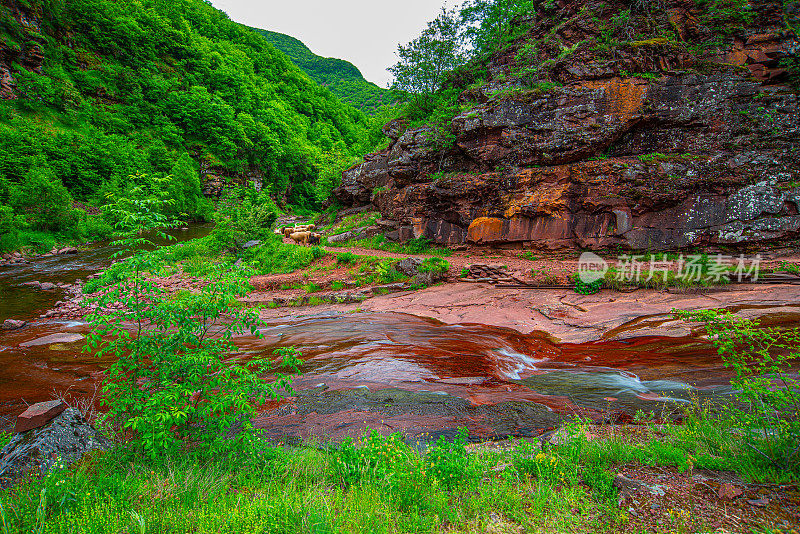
pixel 38 415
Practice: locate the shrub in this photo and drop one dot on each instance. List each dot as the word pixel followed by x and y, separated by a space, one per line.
pixel 434 265
pixel 174 380
pixel 244 215
pixel 346 258
pixel 449 462
pixel 43 200
pixel 762 359
pixel 590 288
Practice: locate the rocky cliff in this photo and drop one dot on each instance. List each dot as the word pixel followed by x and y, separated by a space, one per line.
pixel 641 125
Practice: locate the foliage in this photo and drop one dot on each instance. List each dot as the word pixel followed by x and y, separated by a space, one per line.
pixel 375 458
pixel 378 484
pixel 583 288
pixel 273 256
pixel 167 89
pixel 242 216
pixel 434 265
pixel 420 245
pixel 344 258
pixel 341 77
pixel 766 384
pixel 425 60
pixel 173 379
pixel 488 24
pixel 449 462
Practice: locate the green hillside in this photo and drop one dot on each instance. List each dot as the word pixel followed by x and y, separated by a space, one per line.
pixel 93 92
pixel 340 76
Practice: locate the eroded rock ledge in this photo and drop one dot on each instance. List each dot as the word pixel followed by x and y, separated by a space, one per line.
pixel 700 147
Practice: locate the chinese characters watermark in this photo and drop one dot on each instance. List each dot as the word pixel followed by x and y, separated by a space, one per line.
pixel 689 268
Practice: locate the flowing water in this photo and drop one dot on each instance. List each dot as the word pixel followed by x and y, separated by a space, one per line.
pixel 387 370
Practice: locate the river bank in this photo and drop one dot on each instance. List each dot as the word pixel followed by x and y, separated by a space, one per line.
pixel 502 361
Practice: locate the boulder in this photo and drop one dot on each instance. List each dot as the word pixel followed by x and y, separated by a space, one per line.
pixel 427 278
pixel 68 250
pixel 629 486
pixel 39 414
pixel 48 286
pixel 251 244
pixel 408 266
pixel 13 324
pixel 347 236
pixel 67 437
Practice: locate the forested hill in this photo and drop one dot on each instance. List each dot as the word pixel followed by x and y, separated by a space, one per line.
pixel 340 76
pixel 94 91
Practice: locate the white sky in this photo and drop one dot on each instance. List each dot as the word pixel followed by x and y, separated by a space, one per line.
pixel 364 32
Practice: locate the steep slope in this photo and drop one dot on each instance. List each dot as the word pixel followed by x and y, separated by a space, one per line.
pixel 610 124
pixel 340 76
pixel 92 91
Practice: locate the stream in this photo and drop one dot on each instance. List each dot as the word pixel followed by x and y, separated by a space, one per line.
pixel 392 371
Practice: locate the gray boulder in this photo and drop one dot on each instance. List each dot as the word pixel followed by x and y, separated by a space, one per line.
pixel 68 437
pixel 408 266
pixel 427 278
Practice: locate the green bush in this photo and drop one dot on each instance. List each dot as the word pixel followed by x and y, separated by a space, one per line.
pixel 450 463
pixel 434 265
pixel 583 288
pixel 174 382
pixel 764 360
pixel 43 200
pixel 346 258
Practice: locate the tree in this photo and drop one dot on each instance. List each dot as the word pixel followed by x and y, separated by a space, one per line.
pixel 175 376
pixel 487 23
pixel 425 60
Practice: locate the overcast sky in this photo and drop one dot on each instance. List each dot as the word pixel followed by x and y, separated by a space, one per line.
pixel 364 32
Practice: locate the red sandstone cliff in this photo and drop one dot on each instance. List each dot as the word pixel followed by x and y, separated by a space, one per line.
pixel 673 125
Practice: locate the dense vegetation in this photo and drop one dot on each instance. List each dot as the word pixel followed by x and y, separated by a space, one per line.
pixel 107 90
pixel 340 76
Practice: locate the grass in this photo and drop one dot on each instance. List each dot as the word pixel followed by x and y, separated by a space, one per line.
pixel 660 280
pixel 366 218
pixel 413 246
pixel 378 484
pixel 199 256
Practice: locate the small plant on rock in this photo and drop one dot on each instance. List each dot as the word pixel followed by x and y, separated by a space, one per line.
pixel 583 288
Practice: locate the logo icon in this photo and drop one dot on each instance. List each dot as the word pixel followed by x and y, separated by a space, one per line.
pixel 591 267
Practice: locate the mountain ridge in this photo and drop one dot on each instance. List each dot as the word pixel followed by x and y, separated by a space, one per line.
pixel 340 76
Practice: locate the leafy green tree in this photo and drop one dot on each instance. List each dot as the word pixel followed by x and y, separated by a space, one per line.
pixel 331 164
pixel 174 379
pixel 183 187
pixel 764 361
pixel 425 60
pixel 488 23
pixel 43 200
